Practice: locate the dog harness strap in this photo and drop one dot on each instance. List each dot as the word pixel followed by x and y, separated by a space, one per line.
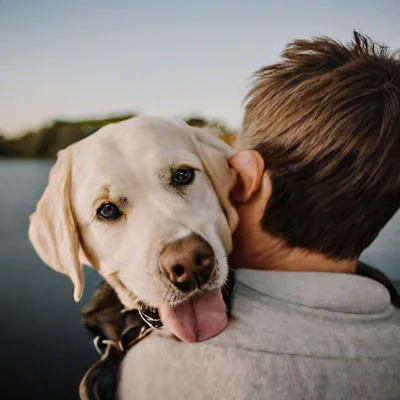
pixel 100 380
pixel 115 332
pixel 367 271
pixel 132 335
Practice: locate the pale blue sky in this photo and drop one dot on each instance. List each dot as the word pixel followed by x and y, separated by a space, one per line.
pixel 72 59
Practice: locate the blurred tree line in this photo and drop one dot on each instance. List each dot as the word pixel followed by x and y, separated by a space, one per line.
pixel 48 140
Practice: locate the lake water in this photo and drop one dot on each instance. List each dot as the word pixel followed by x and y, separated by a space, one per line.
pixel 45 350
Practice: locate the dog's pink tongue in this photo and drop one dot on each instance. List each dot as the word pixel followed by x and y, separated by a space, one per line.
pixel 199 319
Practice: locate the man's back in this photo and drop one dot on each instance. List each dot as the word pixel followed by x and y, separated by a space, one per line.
pixel 294 335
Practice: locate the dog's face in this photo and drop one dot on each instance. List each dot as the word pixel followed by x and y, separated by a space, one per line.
pixel 146 203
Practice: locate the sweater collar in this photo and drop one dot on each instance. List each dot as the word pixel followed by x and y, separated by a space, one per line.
pixel 330 291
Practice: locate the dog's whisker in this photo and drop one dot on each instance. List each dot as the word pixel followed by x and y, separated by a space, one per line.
pixel 143 284
pixel 137 281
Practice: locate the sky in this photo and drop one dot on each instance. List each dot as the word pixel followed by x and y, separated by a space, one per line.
pixel 81 59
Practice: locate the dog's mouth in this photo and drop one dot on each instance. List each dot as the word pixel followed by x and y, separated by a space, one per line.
pixel 195 317
pixel 200 318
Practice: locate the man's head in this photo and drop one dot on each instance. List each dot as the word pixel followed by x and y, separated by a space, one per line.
pixel 325 125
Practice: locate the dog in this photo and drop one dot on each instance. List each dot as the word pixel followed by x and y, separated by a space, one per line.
pixel 146 203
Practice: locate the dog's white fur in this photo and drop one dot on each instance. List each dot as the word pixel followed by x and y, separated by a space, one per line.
pixel 130 164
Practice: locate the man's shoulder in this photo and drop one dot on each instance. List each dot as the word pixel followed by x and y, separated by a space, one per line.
pixel 250 360
pixel 266 324
pixel 273 346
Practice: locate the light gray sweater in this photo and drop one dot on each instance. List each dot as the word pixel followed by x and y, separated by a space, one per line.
pixel 294 335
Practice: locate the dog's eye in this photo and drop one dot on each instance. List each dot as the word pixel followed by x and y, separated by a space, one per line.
pixel 109 211
pixel 184 176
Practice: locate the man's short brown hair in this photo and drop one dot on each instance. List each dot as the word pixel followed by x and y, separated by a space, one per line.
pixel 326 120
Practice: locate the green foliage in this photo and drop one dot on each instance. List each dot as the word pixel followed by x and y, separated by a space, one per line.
pixel 48 140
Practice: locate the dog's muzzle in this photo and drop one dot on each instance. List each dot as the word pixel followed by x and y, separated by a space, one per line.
pixel 188 263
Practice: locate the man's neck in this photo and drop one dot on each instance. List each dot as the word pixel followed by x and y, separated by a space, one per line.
pixel 271 254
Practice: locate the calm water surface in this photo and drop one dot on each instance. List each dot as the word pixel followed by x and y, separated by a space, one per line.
pixel 45 350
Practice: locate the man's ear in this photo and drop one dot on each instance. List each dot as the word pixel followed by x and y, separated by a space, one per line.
pixel 53 231
pixel 214 154
pixel 249 166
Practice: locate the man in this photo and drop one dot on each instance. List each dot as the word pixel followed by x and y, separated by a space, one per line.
pixel 319 177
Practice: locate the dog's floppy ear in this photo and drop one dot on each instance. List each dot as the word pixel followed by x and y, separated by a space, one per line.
pixel 214 154
pixel 53 230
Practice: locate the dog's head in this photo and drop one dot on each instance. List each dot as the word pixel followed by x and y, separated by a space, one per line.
pixel 146 203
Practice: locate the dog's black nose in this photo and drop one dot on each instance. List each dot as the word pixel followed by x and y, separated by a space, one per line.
pixel 188 262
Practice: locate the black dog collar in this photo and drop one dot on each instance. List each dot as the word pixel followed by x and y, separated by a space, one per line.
pixel 150 316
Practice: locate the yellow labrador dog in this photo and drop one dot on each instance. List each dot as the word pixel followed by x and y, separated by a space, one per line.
pixel 146 203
